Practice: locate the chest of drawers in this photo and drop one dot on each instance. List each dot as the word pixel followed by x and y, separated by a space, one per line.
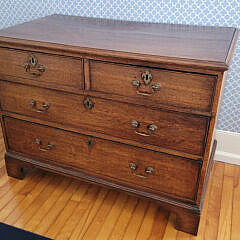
pixel 127 105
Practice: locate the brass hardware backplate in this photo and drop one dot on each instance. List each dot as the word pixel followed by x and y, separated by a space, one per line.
pixel 88 104
pixel 132 166
pixel 149 170
pixel 146 77
pixel 32 67
pixel 32 60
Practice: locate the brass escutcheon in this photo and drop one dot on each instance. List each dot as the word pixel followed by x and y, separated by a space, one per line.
pixel 32 67
pixel 146 77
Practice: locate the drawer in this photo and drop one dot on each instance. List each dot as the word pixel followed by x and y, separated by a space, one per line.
pixel 136 167
pixel 47 69
pixel 174 88
pixel 177 131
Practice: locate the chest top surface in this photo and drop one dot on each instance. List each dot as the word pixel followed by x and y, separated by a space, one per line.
pixel 211 45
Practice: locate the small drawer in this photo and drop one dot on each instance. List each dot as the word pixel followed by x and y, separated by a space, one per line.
pixel 177 131
pixel 39 68
pixel 174 88
pixel 120 163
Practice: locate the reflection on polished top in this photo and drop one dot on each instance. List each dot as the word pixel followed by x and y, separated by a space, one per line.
pixel 170 40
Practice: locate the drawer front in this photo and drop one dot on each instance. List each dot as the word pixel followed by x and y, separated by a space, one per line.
pixel 43 68
pixel 127 165
pixel 178 131
pixel 187 90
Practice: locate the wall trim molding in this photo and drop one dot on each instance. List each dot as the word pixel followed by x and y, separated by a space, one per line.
pixel 228 147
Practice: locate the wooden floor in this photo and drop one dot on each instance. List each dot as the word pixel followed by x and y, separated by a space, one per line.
pixel 61 208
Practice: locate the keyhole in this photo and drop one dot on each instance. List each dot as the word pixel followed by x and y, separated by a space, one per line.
pixel 146 77
pixel 33 60
pixel 88 103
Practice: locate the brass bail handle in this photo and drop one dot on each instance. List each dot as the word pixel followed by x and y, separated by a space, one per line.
pixel 32 67
pixel 146 79
pixel 150 128
pixel 45 106
pixel 148 170
pixel 48 148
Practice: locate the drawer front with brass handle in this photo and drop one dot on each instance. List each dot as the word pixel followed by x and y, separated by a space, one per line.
pixel 45 69
pixel 127 165
pixel 177 131
pixel 174 88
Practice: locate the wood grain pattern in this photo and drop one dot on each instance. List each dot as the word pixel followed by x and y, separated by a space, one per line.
pixel 112 37
pixel 185 90
pixel 172 175
pixel 101 135
pixel 181 132
pixel 154 229
pixel 59 70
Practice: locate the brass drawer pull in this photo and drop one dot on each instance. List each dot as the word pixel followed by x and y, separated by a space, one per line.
pixel 150 128
pixel 139 175
pixel 146 79
pixel 45 106
pixel 133 167
pixel 49 146
pixel 88 104
pixel 149 170
pixel 32 67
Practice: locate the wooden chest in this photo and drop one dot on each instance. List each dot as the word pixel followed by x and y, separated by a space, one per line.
pixel 127 105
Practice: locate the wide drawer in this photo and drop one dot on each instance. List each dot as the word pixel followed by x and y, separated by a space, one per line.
pixel 174 88
pixel 136 167
pixel 51 70
pixel 178 131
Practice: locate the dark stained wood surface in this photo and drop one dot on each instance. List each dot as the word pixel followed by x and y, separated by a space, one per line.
pixel 189 43
pixel 181 89
pixel 59 70
pixel 172 175
pixel 177 131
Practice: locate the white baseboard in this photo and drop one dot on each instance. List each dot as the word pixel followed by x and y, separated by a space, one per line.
pixel 228 147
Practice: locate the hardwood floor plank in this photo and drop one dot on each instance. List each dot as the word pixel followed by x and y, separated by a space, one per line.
pixel 214 203
pixel 100 217
pixel 170 232
pixel 6 184
pixel 124 218
pixel 45 208
pixel 159 224
pixel 225 219
pixel 10 208
pixel 183 236
pixel 14 190
pixel 89 214
pixel 235 230
pixel 68 211
pixel 52 214
pixel 11 212
pixel 82 207
pixel 147 224
pixel 136 220
pixel 30 191
pixel 35 205
pixel 229 170
pixel 112 217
